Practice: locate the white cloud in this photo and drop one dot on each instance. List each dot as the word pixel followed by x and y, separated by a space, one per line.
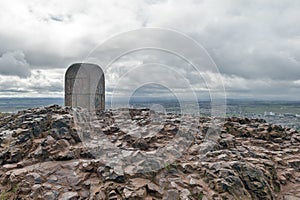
pixel 255 44
pixel 41 83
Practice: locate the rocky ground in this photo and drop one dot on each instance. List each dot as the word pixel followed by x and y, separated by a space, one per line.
pixel 51 153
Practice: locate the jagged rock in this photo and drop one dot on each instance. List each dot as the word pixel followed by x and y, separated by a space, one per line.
pixel 154 188
pixel 70 196
pixel 44 154
pixel 49 196
pixel 294 163
pixel 184 194
pixel 171 195
pixel 290 197
pixel 139 182
pixel 34 178
pixel 52 179
pixel 108 173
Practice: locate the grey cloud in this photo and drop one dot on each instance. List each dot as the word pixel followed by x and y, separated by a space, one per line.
pixel 14 63
pixel 13 91
pixel 57 18
pixel 252 39
pixel 255 44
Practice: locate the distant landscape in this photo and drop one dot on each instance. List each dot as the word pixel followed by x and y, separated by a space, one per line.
pixel 11 105
pixel 284 113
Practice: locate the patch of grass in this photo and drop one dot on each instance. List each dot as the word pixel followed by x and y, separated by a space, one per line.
pixel 15 188
pixel 4 195
pixel 166 186
pixel 198 196
pixel 276 188
pixel 171 168
pixel 152 175
pixel 168 167
pixel 8 193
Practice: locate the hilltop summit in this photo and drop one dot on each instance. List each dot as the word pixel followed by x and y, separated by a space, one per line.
pixel 43 156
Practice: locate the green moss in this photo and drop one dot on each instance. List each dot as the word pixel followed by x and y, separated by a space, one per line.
pixel 276 188
pixel 15 188
pixel 198 196
pixel 9 193
pixel 4 195
pixel 168 167
pixel 171 168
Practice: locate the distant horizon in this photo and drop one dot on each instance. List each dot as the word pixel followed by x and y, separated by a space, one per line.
pixel 161 99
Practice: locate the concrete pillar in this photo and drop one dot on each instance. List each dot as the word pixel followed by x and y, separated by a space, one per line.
pixel 85 86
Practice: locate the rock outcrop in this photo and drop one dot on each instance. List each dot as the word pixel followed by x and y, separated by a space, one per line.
pixel 46 154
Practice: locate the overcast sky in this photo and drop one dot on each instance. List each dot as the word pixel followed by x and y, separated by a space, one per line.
pixel 254 44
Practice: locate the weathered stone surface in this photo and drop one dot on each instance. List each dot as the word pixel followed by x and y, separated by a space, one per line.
pixel 85 86
pixel 43 157
pixel 70 196
pixel 171 195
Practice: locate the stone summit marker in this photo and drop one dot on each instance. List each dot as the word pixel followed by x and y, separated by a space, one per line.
pixel 85 86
